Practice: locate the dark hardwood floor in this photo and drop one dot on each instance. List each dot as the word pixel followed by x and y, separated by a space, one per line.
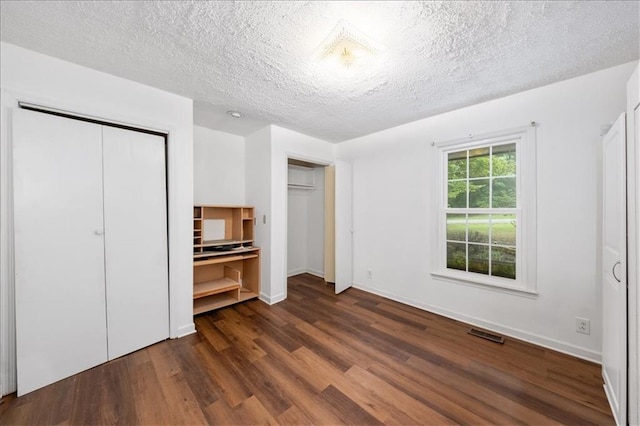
pixel 318 358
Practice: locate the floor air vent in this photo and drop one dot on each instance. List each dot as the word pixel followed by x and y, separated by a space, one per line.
pixel 485 335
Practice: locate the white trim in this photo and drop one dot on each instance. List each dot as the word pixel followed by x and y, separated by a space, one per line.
pixel 296 272
pixel 7 287
pixel 633 244
pixel 611 397
pixel 305 271
pixel 490 283
pixel 186 330
pixel 525 210
pixel 272 300
pixel 536 339
pixel 319 274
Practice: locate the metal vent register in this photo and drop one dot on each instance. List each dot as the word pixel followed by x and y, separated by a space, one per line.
pixel 486 335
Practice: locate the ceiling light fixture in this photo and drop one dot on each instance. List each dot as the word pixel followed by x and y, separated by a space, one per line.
pixel 348 46
pixel 234 114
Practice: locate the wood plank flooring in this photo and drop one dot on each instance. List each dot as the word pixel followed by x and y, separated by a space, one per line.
pixel 318 358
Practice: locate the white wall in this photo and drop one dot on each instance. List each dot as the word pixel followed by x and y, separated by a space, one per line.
pixel 297 229
pixel 288 144
pixel 315 226
pixel 305 231
pixel 258 194
pixel 218 167
pixel 395 194
pixel 36 78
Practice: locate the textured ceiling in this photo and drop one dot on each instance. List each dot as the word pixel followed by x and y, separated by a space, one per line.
pixel 261 57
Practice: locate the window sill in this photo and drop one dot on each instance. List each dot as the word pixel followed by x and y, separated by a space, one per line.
pixel 481 282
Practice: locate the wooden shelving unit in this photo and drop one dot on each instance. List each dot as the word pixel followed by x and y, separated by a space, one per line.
pixel 226 265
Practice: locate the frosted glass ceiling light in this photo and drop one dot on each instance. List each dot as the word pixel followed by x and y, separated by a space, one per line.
pixel 347 46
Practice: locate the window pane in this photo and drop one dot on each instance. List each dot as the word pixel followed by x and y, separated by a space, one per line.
pixel 457 194
pixel 504 192
pixel 479 259
pixel 456 227
pixel 479 193
pixel 504 160
pixel 457 165
pixel 503 262
pixel 478 180
pixel 456 256
pixel 479 228
pixel 479 163
pixel 503 229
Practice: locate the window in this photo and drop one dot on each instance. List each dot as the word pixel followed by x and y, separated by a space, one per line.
pixel 487 210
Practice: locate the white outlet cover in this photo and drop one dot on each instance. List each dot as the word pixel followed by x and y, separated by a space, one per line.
pixel 583 325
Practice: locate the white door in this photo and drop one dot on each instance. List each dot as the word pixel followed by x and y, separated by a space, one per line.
pixel 344 226
pixel 135 240
pixel 614 269
pixel 59 252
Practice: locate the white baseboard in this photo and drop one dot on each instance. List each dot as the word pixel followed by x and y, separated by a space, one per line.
pixel 272 300
pixel 296 272
pixel 186 330
pixel 556 345
pixel 613 403
pixel 319 274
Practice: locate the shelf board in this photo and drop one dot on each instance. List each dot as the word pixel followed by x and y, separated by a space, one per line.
pixel 214 287
pixel 301 186
pixel 201 254
pixel 213 302
pixel 221 259
pixel 246 294
pixel 213 243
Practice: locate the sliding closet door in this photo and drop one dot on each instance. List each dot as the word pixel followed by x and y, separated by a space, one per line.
pixel 59 253
pixel 135 211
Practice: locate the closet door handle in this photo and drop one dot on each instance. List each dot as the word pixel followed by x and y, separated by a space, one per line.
pixel 98 232
pixel 613 271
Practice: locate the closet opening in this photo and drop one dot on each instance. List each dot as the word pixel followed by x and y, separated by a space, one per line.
pixel 309 220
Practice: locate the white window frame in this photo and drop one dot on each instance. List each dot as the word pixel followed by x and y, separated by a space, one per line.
pixel 525 281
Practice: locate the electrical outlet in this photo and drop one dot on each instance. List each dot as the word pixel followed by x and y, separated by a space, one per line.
pixel 369 273
pixel 583 325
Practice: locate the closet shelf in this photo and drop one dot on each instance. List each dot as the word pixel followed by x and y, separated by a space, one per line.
pixel 301 186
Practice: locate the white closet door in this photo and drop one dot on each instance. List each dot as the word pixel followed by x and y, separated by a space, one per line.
pixel 614 270
pixel 344 226
pixel 59 254
pixel 135 210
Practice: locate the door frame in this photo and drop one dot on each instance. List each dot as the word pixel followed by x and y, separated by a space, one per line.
pixel 633 245
pixel 293 156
